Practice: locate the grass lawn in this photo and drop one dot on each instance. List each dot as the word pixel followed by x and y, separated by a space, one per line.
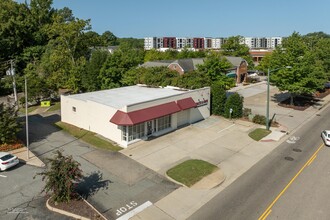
pixel 87 136
pixel 54 107
pixel 259 133
pixel 191 171
pixel 30 109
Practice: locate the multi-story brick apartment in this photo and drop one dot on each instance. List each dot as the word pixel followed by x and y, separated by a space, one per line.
pixel 208 43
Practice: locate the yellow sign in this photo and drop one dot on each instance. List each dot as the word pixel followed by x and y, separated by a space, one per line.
pixel 45 104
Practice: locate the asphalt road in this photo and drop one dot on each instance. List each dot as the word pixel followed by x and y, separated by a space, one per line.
pixel 255 192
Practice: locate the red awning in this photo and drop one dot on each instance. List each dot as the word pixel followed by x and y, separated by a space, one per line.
pixel 147 114
pixel 186 103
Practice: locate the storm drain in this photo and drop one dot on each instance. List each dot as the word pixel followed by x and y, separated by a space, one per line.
pixel 289 158
pixel 296 150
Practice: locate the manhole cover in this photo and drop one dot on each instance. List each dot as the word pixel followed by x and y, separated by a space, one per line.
pixel 289 158
pixel 296 150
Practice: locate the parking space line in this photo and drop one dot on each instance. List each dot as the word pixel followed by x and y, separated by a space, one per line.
pixel 2 176
pixel 226 128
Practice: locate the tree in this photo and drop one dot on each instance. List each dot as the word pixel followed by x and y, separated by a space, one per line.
pixel 214 66
pixel 90 81
pixel 61 177
pixel 9 127
pixel 234 102
pixel 218 98
pixel 306 74
pixel 64 58
pixel 108 39
pixel 234 47
pixel 118 64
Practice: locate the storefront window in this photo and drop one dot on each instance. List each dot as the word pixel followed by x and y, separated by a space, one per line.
pixel 135 131
pixel 124 133
pixel 164 122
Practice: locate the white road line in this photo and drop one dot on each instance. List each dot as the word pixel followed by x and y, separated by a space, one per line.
pixel 2 176
pixel 135 211
pixel 226 128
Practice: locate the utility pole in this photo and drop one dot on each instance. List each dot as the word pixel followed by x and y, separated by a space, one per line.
pixel 12 72
pixel 26 119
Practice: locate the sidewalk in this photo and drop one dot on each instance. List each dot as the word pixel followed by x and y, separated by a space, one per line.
pixel 27 157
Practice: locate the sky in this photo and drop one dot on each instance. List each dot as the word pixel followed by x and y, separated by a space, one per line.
pixel 202 18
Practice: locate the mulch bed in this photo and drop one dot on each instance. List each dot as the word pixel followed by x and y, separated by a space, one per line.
pixel 303 102
pixel 12 146
pixel 78 207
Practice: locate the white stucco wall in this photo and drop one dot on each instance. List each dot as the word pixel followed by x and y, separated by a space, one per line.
pixel 96 117
pixel 90 116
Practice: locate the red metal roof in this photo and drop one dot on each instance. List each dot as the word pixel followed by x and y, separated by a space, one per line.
pixel 147 114
pixel 186 103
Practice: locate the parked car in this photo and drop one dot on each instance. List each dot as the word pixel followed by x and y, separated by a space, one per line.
pixel 7 160
pixel 326 137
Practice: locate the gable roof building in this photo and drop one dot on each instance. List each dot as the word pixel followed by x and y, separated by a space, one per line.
pixel 239 65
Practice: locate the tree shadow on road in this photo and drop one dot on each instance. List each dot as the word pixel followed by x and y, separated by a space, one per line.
pixel 91 184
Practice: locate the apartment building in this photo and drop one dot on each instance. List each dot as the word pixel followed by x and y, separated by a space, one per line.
pixel 201 43
pixel 262 42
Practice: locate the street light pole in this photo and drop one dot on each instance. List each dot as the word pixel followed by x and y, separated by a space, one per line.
pixel 267 109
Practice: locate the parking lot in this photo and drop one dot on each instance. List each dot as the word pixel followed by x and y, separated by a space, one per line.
pixel 21 196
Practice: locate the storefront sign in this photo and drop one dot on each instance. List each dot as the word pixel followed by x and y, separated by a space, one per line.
pixel 202 102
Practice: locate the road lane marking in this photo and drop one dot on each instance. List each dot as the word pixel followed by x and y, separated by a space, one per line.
pixel 310 162
pixel 135 211
pixel 3 176
pixel 269 211
pixel 263 216
pixel 226 128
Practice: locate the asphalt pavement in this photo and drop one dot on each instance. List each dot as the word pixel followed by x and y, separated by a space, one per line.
pixel 113 183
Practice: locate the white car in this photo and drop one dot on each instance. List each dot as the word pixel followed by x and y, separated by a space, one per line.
pixel 7 160
pixel 326 137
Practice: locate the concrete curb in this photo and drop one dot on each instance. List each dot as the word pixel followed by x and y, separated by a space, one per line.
pixel 65 212
pixel 205 178
pixel 71 214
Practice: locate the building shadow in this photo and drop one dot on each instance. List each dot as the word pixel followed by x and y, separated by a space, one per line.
pixel 89 185
pixel 40 127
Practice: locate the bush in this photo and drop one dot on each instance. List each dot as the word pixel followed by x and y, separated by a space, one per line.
pixel 218 99
pixel 9 126
pixel 247 112
pixel 234 102
pixel 62 177
pixel 259 119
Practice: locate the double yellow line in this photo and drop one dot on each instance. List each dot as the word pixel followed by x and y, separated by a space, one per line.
pixel 268 210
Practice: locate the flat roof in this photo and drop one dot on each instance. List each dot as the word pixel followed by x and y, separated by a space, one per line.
pixel 125 96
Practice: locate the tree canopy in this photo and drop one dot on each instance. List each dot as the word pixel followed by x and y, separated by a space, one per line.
pixel 298 66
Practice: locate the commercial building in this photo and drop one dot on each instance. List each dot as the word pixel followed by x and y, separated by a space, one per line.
pixel 129 114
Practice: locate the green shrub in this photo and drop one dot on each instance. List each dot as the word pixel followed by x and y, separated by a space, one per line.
pixel 61 177
pixel 259 119
pixel 218 99
pixel 234 102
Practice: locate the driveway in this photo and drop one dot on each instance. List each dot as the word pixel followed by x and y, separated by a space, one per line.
pixel 113 182
pixel 213 140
